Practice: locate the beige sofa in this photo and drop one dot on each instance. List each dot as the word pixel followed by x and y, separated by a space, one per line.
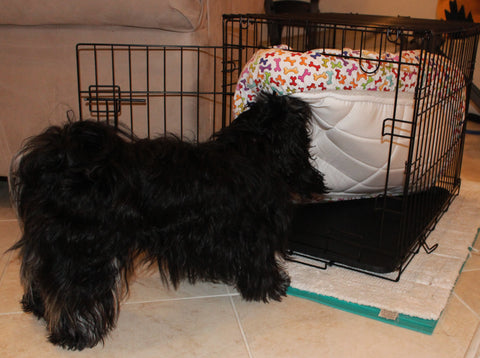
pixel 37 50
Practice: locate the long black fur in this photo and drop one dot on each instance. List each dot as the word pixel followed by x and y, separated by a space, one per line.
pixel 90 202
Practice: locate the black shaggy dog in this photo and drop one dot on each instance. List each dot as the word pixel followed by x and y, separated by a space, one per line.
pixel 91 201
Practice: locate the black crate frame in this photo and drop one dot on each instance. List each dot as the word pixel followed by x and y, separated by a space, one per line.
pixel 340 246
pixel 242 36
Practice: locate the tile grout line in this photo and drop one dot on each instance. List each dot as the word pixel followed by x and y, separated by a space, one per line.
pixel 3 314
pixel 466 305
pixel 240 326
pixel 180 298
pixel 473 349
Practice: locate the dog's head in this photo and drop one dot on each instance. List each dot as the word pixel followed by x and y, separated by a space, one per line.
pixel 282 125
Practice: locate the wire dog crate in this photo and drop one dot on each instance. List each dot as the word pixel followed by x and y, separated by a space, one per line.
pixel 191 91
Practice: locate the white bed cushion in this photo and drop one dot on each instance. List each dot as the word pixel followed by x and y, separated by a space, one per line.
pixel 346 145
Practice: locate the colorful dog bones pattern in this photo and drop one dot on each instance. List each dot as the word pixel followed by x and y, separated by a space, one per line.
pixel 285 72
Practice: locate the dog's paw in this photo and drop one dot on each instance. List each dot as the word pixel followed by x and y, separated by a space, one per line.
pixel 72 340
pixel 76 332
pixel 279 290
pixel 265 288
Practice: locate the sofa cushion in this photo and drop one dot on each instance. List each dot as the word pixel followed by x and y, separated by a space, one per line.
pixel 173 15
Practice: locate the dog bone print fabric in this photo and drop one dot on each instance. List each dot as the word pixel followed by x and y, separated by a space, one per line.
pixel 285 72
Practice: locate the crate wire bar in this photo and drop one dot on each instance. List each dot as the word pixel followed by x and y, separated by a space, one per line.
pixel 189 90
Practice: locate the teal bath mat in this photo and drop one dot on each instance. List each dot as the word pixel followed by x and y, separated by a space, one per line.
pixel 417 301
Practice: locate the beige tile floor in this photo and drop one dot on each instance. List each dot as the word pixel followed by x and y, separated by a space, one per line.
pixel 209 320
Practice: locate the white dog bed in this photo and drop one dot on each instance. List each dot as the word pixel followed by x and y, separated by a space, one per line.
pixel 352 96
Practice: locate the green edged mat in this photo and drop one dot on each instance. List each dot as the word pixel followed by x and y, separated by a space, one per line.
pixel 417 301
pixel 414 323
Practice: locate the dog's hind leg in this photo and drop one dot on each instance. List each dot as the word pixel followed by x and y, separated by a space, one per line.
pixel 72 188
pixel 82 302
pixel 74 283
